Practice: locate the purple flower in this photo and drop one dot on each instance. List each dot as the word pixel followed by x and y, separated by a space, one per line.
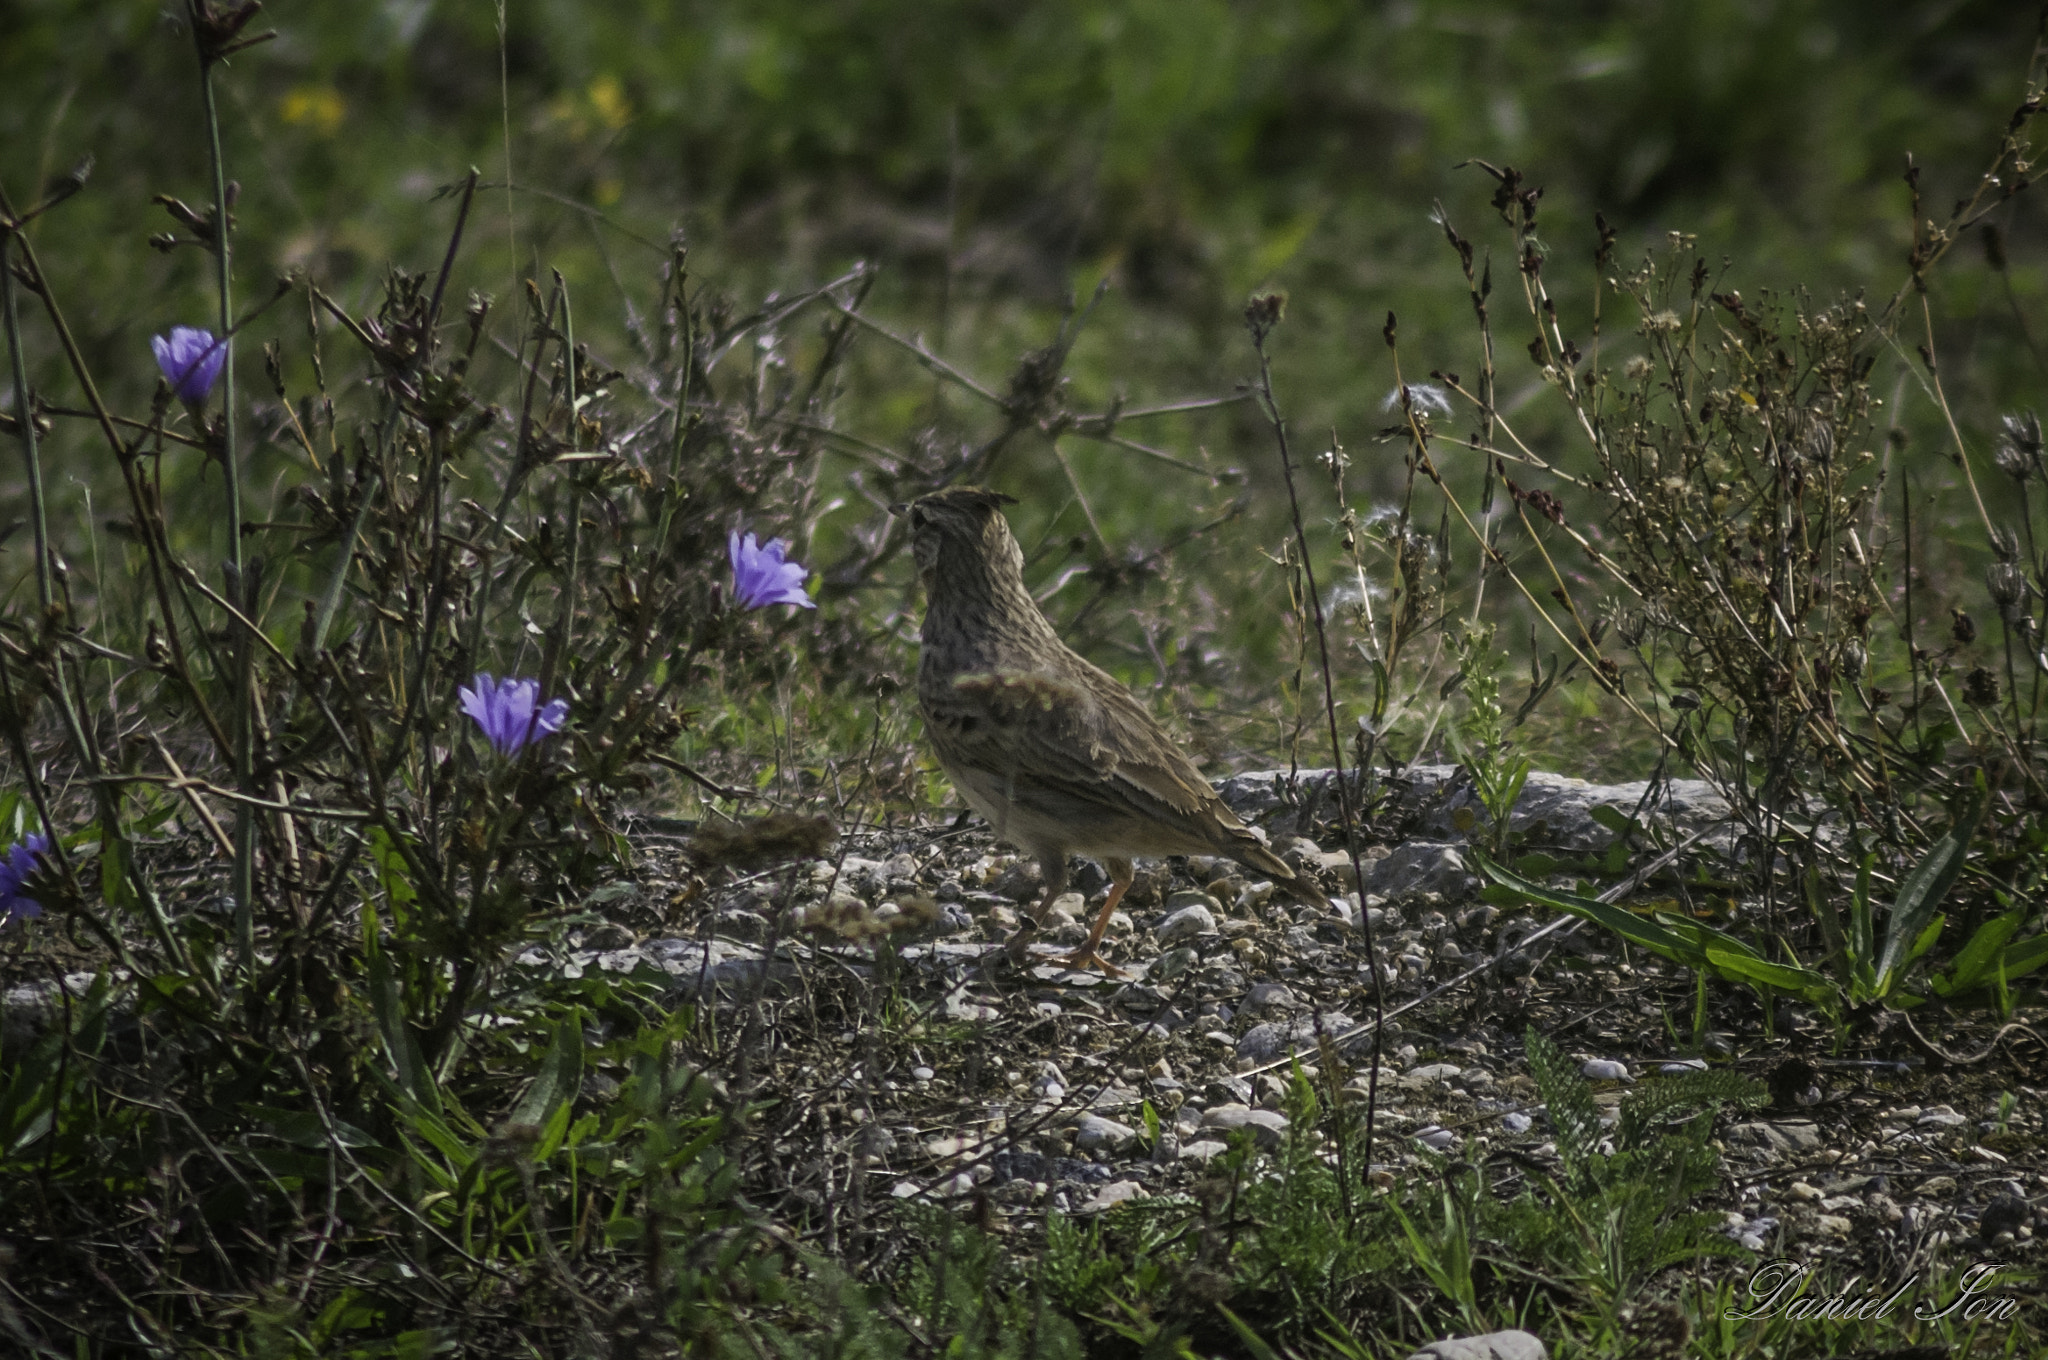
pixel 15 866
pixel 504 709
pixel 761 577
pixel 191 360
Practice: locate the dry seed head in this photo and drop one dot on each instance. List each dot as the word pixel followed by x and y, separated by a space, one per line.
pixel 850 919
pixel 2008 587
pixel 2018 454
pixel 773 839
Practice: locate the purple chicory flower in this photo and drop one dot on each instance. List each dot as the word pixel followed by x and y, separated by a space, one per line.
pixel 504 709
pixel 15 866
pixel 191 360
pixel 761 577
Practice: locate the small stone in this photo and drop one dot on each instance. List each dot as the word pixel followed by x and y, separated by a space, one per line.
pixel 1111 1195
pixel 1475 921
pixel 1301 853
pixel 1267 1126
pixel 2006 1213
pixel 1194 897
pixel 1253 896
pixel 1228 1090
pixel 1262 1043
pixel 1678 1067
pixel 1422 867
pixel 1605 1069
pixel 922 1073
pixel 1020 882
pixel 1435 1072
pixel 1435 1137
pixel 1064 910
pixel 1094 1131
pixel 1185 924
pixel 1202 1149
pixel 1791 1135
pixel 1270 996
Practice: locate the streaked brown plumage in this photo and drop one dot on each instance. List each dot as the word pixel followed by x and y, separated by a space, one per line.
pixel 1052 750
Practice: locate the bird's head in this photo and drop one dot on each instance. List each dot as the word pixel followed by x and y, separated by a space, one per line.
pixel 960 533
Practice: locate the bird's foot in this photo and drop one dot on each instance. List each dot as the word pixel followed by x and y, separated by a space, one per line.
pixel 1085 958
pixel 1018 946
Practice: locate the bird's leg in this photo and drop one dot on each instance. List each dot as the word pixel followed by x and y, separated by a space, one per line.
pixel 1121 871
pixel 1052 868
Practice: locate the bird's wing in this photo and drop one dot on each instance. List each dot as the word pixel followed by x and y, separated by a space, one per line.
pixel 1068 747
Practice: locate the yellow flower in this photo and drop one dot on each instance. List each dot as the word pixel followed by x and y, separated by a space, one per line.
pixel 608 101
pixel 316 106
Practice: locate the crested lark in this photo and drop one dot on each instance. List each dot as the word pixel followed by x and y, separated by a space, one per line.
pixel 1052 750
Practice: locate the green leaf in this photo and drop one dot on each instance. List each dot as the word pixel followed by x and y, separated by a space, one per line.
pixel 560 1075
pixel 1830 922
pixel 1656 938
pixel 1977 959
pixel 114 886
pixel 1254 1344
pixel 392 1026
pixel 392 873
pixel 1613 818
pixel 1923 891
pixel 1759 972
pixel 303 1128
pixel 1924 941
pixel 2024 957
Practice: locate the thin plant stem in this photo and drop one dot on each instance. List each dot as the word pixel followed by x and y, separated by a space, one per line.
pixel 243 655
pixel 24 415
pixel 1271 407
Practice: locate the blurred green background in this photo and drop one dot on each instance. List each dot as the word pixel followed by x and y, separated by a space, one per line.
pixel 995 160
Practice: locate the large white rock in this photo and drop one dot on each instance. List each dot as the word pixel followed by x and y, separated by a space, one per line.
pixel 1492 1346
